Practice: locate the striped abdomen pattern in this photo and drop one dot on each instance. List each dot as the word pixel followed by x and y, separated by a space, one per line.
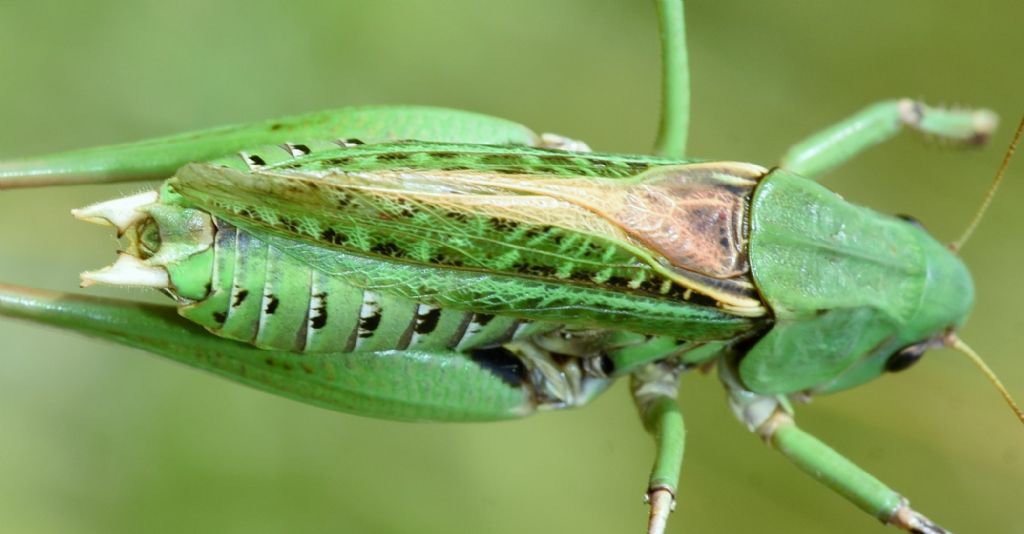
pixel 263 296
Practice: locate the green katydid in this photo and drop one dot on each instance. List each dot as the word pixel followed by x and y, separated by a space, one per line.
pixel 390 179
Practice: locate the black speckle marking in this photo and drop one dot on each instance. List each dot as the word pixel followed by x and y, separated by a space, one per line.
pixel 291 224
pixel 330 236
pixel 511 170
pixel 532 233
pixel 543 271
pixel 502 363
pixel 393 156
pixel 501 159
pixel 637 165
pixel 276 126
pixel 427 322
pixel 272 304
pixel 558 159
pixel 270 362
pixel 240 298
pixel 617 281
pixel 367 325
pixel 389 250
pixel 503 225
pixel 220 317
pixel 339 162
pixel 319 318
pixel 444 155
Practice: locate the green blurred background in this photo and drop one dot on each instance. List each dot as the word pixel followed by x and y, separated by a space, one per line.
pixel 97 438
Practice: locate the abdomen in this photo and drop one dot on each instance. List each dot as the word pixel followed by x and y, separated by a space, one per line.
pixel 260 295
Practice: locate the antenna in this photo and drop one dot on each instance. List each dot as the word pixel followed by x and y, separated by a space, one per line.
pixel 959 243
pixel 954 342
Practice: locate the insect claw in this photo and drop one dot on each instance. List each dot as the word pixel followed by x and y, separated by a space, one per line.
pixel 128 271
pixel 119 213
pixel 907 519
pixel 985 123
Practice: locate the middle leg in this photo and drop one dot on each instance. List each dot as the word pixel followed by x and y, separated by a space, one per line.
pixel 654 389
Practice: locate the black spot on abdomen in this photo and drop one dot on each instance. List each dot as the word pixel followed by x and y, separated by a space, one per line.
pixel 272 304
pixel 427 322
pixel 367 325
pixel 319 318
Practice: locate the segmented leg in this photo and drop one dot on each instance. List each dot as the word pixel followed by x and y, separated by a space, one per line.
pixel 675 81
pixel 880 122
pixel 441 385
pixel 832 469
pixel 159 158
pixel 654 391
pixel 770 417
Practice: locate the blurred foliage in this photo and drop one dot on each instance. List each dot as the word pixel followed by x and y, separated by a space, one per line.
pixel 102 439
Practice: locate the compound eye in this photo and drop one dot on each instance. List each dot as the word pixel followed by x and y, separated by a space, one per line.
pixel 910 219
pixel 906 357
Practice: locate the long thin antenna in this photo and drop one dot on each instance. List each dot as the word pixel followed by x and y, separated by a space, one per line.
pixel 959 243
pixel 954 342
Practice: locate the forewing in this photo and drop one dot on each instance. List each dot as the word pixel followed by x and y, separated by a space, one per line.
pixel 513 219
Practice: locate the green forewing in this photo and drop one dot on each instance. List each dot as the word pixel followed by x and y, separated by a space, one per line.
pixel 476 221
pixel 500 210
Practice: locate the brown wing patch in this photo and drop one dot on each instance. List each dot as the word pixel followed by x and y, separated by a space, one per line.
pixel 696 224
pixel 693 215
pixel 690 216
